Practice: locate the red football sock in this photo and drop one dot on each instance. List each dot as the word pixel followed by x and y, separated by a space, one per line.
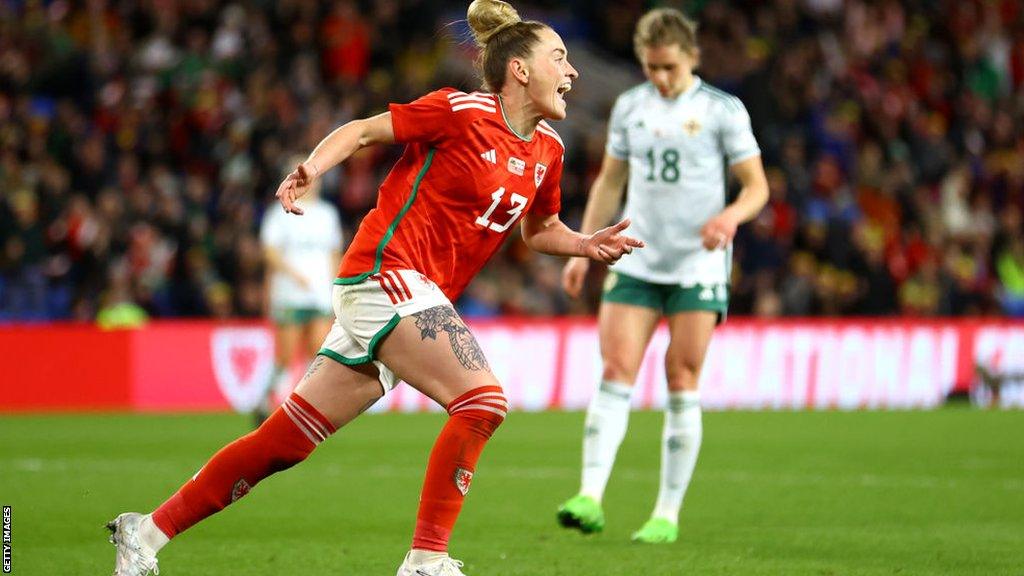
pixel 286 438
pixel 474 416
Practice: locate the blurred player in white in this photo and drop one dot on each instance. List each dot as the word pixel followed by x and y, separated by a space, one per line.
pixel 302 256
pixel 672 139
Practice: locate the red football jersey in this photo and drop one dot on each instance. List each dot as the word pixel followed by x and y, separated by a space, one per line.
pixel 458 190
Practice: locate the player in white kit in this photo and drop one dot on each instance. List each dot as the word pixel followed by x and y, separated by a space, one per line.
pixel 302 256
pixel 672 138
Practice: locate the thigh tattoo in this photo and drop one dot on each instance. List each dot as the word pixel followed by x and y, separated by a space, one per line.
pixel 438 319
pixel 316 363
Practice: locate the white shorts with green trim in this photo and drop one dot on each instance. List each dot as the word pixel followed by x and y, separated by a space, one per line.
pixel 366 311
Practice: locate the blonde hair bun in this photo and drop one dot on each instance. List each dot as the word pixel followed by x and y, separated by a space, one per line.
pixel 488 17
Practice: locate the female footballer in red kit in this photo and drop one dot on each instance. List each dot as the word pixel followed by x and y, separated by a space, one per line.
pixel 475 164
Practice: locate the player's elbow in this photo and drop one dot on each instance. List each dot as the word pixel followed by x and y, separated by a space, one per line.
pixel 364 135
pixel 531 228
pixel 375 130
pixel 542 234
pixel 529 233
pixel 760 191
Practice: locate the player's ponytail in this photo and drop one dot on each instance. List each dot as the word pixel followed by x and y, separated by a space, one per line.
pixel 488 17
pixel 665 27
pixel 501 34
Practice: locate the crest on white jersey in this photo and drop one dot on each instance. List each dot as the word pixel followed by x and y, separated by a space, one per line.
pixel 538 174
pixel 692 127
pixel 243 359
pixel 516 166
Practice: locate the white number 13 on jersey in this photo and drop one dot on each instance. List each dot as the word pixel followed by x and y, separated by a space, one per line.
pixel 518 204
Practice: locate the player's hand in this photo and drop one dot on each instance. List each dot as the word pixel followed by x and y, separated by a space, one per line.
pixel 718 232
pixel 295 185
pixel 608 244
pixel 573 274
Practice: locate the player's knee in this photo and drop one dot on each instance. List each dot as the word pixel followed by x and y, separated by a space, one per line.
pixel 617 369
pixel 483 408
pixel 682 375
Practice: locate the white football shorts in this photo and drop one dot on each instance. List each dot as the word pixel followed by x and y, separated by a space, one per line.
pixel 365 312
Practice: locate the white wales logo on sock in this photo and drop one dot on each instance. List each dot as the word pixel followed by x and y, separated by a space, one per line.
pixel 462 479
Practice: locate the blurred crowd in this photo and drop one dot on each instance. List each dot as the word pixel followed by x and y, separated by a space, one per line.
pixel 140 143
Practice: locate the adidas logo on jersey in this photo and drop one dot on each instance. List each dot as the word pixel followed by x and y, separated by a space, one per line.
pixel 491 156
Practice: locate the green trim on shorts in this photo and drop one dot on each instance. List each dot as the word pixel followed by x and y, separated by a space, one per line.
pixel 292 316
pixel 369 356
pixel 666 298
pixel 391 229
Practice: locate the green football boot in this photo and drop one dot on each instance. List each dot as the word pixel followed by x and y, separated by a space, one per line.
pixel 582 512
pixel 657 531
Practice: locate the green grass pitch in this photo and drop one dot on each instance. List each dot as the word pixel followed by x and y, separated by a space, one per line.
pixel 786 493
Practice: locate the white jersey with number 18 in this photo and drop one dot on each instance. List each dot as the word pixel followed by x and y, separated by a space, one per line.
pixel 678 152
pixel 308 244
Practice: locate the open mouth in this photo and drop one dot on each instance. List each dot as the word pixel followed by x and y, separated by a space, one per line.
pixel 564 88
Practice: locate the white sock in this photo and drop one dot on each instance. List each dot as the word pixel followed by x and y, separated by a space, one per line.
pixel 680 444
pixel 607 418
pixel 419 557
pixel 151 537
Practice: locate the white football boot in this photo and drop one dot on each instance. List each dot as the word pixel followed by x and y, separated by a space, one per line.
pixel 132 558
pixel 444 566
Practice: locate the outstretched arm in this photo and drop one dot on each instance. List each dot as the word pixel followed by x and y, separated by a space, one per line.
pixel 547 234
pixel 331 151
